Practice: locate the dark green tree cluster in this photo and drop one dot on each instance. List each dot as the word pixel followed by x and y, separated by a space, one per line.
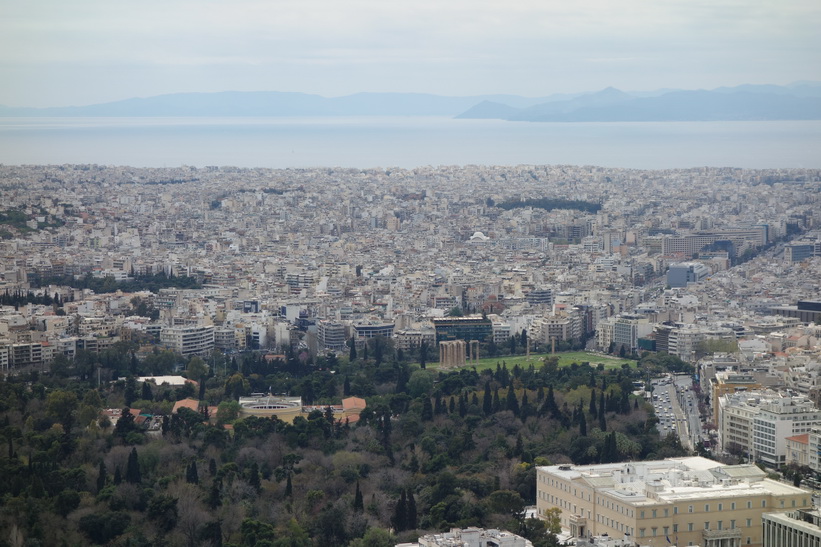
pixel 432 450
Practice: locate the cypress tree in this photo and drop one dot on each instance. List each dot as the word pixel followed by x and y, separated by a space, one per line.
pixel 411 511
pixel 289 489
pixel 118 478
pixel 625 403
pixel 497 406
pixel 593 411
pixel 427 410
pixel 400 514
pixel 191 474
pixel 214 497
pixel 602 422
pixel 511 402
pixel 463 406
pixel 474 399
pixel 452 405
pixel 358 503
pixel 526 409
pixel 487 402
pixel 438 407
pixel 102 476
pixel 253 477
pixel 582 425
pixel 132 470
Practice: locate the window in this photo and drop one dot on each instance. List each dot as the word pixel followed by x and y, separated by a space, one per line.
pixel 732 506
pixel 749 505
pixel 707 525
pixel 763 503
pixel 706 507
pixel 641 532
pixel 689 508
pixel 654 513
pixel 641 514
pixel 732 524
pixel 666 512
pixel 720 525
pixel 782 503
pixel 675 509
pixel 666 530
pixel 749 523
pixel 793 503
pixel 689 526
pixel 720 506
pixel 675 528
pixel 654 530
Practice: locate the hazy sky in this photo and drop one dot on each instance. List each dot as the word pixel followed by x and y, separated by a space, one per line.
pixel 59 52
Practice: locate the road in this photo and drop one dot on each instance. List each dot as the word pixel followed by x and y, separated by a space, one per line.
pixel 677 409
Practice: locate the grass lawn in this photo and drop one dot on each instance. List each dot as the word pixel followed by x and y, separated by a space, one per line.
pixel 565 360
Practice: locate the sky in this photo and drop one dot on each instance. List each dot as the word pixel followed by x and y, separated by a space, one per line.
pixel 79 52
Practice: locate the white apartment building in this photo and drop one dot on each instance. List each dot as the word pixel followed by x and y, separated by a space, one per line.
pixel 778 419
pixel 331 335
pixel 627 329
pixel 757 423
pixel 188 340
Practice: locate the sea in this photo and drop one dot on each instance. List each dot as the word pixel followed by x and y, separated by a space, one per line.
pixel 406 142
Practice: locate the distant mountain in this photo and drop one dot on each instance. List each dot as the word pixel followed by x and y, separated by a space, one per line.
pixel 489 110
pixel 801 101
pixel 273 103
pixel 547 111
pixel 797 101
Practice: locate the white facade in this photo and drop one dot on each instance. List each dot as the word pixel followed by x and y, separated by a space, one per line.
pixel 196 340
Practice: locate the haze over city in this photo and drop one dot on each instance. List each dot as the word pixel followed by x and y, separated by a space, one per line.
pixel 58 54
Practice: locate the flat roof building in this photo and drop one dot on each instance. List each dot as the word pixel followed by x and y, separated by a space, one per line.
pixel 678 501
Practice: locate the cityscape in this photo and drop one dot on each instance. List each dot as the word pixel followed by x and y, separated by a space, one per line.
pixel 191 305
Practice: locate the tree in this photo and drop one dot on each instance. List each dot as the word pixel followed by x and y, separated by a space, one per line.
pixel 162 509
pixel 358 503
pixel 147 395
pixel 511 402
pixel 423 354
pixel 61 405
pixel 400 513
pixel 410 514
pixel 227 412
pixel 191 475
pixel 132 469
pixel 352 353
pixel 487 400
pixel 102 476
pixel 197 369
pixel 287 470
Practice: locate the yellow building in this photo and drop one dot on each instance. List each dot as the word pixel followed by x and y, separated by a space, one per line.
pixel 677 501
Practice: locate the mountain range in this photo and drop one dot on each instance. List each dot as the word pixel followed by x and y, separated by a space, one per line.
pixel 798 101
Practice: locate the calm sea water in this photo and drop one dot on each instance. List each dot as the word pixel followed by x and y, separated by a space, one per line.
pixel 405 142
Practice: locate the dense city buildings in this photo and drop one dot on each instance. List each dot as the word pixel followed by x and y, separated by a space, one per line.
pixel 720 268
